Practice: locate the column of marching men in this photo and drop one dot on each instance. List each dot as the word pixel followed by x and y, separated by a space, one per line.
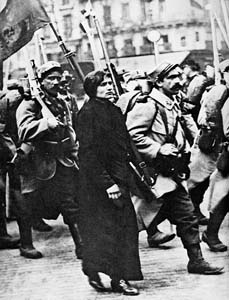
pixel 77 163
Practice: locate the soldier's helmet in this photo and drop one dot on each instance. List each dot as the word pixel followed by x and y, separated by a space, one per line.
pixel 48 67
pixel 224 66
pixel 161 71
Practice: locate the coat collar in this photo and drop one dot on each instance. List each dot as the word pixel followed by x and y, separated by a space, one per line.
pixel 163 99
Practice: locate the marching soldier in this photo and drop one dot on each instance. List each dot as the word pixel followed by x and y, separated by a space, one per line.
pixel 46 160
pixel 7 151
pixel 218 192
pixel 154 125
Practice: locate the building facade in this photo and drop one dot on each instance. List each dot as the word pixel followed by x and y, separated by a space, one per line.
pixel 184 25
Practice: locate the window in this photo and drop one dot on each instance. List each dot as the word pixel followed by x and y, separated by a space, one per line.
pixel 165 38
pixel 67 24
pixel 161 5
pixel 65 2
pixel 146 41
pixel 183 41
pixel 107 15
pixel 128 48
pixel 125 11
pixel 143 9
pixel 112 51
pixel 197 36
pixel 46 32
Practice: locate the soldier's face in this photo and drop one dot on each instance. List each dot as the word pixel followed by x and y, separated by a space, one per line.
pixel 105 89
pixel 172 83
pixel 51 83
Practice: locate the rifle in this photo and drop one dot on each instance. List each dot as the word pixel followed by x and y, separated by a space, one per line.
pixel 144 180
pixel 110 67
pixel 68 54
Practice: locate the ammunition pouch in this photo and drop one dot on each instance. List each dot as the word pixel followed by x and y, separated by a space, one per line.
pixel 223 161
pixel 55 149
pixel 173 166
pixel 207 140
pixel 22 164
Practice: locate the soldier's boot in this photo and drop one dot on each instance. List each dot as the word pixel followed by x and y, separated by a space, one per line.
pixel 27 249
pixel 198 265
pixel 74 230
pixel 6 241
pixel 210 236
pixel 158 238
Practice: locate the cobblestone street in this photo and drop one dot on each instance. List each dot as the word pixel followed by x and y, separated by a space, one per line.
pixel 58 275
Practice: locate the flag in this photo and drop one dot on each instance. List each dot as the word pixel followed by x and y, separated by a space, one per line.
pixel 19 19
pixel 195 4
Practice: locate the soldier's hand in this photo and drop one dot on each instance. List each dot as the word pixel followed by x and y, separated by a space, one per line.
pixel 52 123
pixel 168 149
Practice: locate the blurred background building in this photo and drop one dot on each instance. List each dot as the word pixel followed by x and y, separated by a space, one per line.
pixel 184 26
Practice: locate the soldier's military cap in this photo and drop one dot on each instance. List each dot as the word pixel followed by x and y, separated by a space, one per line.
pixel 224 66
pixel 134 74
pixel 46 68
pixel 161 71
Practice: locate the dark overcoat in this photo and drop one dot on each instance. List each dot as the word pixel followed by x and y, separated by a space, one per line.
pixel 109 233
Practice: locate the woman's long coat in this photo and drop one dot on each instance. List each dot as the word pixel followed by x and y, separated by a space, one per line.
pixel 110 234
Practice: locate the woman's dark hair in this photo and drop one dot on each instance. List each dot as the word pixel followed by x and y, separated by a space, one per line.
pixel 92 81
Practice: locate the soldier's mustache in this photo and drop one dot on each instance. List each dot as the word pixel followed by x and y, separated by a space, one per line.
pixel 176 86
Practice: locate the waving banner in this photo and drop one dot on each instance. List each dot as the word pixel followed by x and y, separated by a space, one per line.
pixel 19 19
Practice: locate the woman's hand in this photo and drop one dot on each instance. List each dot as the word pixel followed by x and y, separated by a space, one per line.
pixel 114 193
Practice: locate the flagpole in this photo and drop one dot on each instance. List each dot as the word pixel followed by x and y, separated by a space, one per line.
pixel 223 31
pixel 225 15
pixel 37 49
pixel 41 47
pixel 6 66
pixel 214 44
pixel 84 25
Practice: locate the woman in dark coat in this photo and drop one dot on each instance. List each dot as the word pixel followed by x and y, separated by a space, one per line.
pixel 107 218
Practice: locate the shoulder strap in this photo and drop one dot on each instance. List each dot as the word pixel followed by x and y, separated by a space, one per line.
pixel 164 117
pixel 132 102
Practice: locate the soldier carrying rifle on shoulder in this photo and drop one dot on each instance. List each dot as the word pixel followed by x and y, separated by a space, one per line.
pixel 46 160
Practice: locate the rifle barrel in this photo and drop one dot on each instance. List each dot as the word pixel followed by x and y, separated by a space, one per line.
pixel 68 54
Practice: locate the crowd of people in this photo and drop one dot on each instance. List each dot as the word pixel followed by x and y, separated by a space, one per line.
pixel 86 164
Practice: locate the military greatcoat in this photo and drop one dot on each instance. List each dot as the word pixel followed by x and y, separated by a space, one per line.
pixel 147 129
pixel 219 184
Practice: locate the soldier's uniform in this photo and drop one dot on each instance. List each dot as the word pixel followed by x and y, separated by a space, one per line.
pixel 7 151
pixel 203 161
pixel 218 191
pixel 154 125
pixel 49 159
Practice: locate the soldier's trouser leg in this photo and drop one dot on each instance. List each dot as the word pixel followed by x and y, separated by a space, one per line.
pixel 25 213
pixel 69 210
pixel 6 241
pixel 74 230
pixel 197 195
pixel 210 236
pixel 180 210
pixel 155 236
pixel 3 230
